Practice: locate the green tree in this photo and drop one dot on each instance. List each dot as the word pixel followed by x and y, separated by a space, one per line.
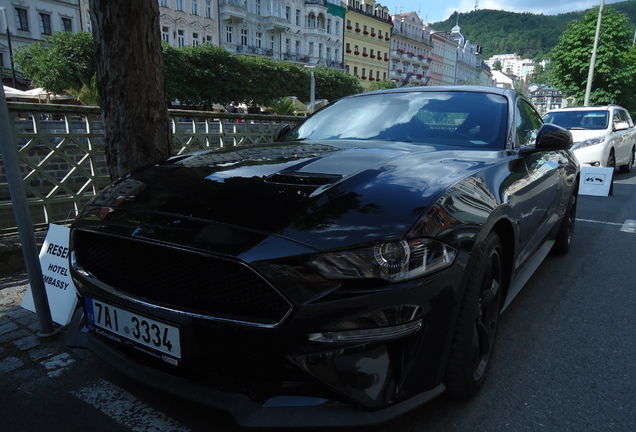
pixel 613 77
pixel 332 84
pixel 64 62
pixel 381 85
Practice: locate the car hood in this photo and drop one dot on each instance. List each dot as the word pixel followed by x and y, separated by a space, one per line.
pixel 579 135
pixel 321 195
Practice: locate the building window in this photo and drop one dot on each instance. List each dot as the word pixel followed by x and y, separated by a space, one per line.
pixel 244 37
pixel 195 39
pixel 259 40
pixel 297 47
pixel 288 14
pixel 209 39
pixel 179 5
pixel 297 17
pixel 258 7
pixel 328 26
pixel 208 8
pixel 45 24
pixel 228 34
pixel 288 45
pixel 21 19
pixel 67 24
pixel 181 38
pixel 165 34
pixel 195 7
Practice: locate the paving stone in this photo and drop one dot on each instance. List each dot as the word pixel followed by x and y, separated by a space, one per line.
pixel 9 364
pixel 42 353
pixel 36 384
pixel 8 327
pixel 14 335
pixel 27 342
pixel 58 361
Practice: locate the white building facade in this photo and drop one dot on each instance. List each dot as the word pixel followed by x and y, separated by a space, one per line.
pixel 411 48
pixel 308 32
pixel 28 21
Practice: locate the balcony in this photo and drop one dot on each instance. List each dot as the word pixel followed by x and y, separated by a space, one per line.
pixel 315 31
pixel 233 11
pixel 275 24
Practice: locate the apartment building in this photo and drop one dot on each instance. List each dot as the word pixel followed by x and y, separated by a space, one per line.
pixel 367 38
pixel 411 48
pixel 27 21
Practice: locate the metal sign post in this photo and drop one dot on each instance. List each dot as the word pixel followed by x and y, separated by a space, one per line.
pixel 23 219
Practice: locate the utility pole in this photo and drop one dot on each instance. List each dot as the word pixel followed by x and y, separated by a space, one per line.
pixel 590 75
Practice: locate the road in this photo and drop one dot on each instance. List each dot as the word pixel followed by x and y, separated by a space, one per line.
pixel 564 360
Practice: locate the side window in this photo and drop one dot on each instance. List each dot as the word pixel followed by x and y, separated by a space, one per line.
pixel 527 124
pixel 625 117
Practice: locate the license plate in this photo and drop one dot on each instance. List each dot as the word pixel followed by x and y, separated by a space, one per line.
pixel 136 327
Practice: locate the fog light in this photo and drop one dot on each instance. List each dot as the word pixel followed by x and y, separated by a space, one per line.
pixel 367 335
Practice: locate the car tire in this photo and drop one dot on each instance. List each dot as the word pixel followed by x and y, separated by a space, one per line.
pixel 477 321
pixel 611 160
pixel 563 239
pixel 628 167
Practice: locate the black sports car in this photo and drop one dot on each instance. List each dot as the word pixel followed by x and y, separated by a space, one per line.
pixel 344 274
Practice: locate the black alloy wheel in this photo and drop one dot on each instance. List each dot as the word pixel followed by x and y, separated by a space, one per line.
pixel 476 326
pixel 563 240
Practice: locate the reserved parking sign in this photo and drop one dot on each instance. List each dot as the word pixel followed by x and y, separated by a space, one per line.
pixel 596 181
pixel 60 289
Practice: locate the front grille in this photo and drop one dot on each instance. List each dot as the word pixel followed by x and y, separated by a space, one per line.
pixel 180 279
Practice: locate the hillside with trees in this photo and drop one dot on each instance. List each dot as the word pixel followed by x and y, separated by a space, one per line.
pixel 529 35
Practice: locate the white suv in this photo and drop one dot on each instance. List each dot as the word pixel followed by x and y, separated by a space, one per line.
pixel 603 136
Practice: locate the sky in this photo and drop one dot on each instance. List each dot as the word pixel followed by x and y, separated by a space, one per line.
pixel 439 10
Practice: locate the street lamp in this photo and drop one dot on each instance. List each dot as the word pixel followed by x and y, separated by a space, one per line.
pixel 312 89
pixel 6 23
pixel 590 75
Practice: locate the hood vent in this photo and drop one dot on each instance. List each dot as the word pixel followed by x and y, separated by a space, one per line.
pixel 304 179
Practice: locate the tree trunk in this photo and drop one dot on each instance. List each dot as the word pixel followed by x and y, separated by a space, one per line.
pixel 130 80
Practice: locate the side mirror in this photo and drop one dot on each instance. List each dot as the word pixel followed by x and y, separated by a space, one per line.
pixel 553 137
pixel 282 132
pixel 621 126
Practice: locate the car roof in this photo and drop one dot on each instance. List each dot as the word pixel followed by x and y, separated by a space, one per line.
pixel 586 108
pixel 463 88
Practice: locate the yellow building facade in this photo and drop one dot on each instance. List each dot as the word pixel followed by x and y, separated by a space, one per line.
pixel 367 41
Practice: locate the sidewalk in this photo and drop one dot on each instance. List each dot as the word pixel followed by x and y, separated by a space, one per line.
pixel 28 363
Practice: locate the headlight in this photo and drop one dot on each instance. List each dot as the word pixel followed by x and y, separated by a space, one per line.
pixel 391 261
pixel 588 143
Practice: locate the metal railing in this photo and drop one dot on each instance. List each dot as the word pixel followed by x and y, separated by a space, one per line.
pixel 61 149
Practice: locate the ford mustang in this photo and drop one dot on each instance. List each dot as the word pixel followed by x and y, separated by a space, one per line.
pixel 343 274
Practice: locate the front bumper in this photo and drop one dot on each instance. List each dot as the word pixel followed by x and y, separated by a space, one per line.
pixel 277 411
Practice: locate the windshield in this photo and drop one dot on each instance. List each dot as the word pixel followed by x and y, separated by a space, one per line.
pixel 579 119
pixel 450 118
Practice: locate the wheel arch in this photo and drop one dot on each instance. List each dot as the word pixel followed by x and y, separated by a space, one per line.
pixel 505 230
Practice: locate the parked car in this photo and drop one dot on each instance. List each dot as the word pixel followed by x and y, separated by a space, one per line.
pixel 345 274
pixel 604 136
